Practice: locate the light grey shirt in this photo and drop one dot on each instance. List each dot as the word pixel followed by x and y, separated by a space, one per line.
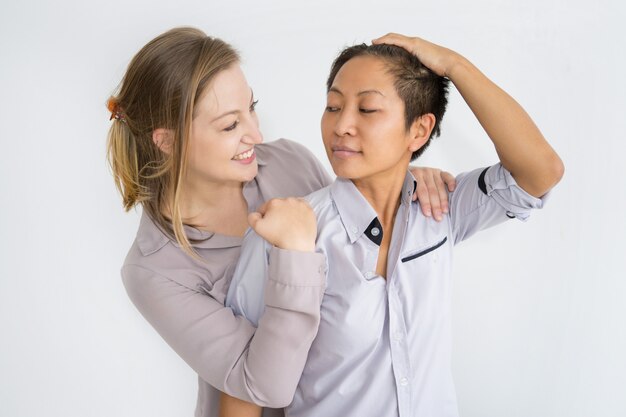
pixel 383 346
pixel 183 299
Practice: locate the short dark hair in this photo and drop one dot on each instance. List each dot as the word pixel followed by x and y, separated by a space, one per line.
pixel 421 90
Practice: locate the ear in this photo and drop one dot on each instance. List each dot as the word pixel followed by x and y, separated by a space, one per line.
pixel 163 139
pixel 420 131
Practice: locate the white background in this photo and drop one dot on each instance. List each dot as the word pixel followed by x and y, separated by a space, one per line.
pixel 539 308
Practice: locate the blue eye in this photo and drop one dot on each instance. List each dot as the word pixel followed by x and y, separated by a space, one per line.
pixel 232 127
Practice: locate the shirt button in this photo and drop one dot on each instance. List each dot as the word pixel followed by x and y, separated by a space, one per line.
pixel 375 231
pixel 435 258
pixel 354 229
pixel 404 382
pixel 397 336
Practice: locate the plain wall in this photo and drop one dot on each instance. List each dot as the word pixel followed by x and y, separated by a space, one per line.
pixel 539 308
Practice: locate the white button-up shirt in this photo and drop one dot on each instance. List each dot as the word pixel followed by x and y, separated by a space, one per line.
pixel 384 345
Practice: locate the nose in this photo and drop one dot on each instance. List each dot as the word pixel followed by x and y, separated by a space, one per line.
pixel 345 123
pixel 252 135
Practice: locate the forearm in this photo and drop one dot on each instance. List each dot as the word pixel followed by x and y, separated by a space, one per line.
pixel 234 407
pixel 520 145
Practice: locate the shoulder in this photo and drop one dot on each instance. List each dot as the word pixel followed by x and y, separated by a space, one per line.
pixel 320 200
pixel 326 213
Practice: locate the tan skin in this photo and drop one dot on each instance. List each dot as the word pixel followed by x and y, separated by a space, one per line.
pixel 387 208
pixel 379 196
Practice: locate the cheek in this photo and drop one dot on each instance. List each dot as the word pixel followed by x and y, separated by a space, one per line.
pixel 326 128
pixel 212 151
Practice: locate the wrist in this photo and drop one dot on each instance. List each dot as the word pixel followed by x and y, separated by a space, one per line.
pixel 298 245
pixel 456 64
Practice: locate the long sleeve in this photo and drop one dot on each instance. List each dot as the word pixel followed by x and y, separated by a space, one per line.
pixel 261 365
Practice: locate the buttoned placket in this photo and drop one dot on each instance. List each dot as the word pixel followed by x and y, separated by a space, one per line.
pixel 399 347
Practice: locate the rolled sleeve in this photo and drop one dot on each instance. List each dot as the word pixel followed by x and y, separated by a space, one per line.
pixel 486 197
pixel 502 187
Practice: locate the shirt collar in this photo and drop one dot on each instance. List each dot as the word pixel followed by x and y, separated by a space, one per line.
pixel 354 210
pixel 356 214
pixel 408 189
pixel 150 238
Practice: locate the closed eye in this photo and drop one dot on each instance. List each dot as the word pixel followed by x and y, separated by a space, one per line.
pixel 232 127
pixel 366 111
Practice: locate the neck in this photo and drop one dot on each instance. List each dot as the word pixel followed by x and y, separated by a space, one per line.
pixel 383 191
pixel 215 207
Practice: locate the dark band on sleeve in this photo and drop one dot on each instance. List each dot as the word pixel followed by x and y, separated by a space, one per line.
pixel 481 181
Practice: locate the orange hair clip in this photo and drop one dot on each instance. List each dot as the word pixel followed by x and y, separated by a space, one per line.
pixel 115 110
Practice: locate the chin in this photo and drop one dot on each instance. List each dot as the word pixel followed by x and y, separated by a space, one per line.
pixel 344 172
pixel 250 173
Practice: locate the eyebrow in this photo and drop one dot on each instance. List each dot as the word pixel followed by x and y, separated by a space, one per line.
pixel 234 111
pixel 360 93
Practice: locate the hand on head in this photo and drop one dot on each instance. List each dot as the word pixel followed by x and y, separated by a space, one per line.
pixel 440 60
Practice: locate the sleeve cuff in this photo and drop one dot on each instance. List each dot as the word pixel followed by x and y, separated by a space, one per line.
pixel 294 268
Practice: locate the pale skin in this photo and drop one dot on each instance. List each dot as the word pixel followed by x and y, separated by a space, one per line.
pixel 378 171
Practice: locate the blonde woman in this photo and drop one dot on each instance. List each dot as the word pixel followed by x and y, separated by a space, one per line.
pixel 185 146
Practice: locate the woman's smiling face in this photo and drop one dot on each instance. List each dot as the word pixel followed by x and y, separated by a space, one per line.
pixel 224 130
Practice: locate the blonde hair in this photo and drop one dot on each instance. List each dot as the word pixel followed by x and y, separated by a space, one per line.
pixel 159 90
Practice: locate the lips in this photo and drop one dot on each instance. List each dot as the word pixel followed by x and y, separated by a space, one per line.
pixel 344 152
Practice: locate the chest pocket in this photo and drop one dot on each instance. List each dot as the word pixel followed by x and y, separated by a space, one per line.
pixel 411 256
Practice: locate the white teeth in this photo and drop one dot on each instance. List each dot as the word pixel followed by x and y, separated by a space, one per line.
pixel 244 155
